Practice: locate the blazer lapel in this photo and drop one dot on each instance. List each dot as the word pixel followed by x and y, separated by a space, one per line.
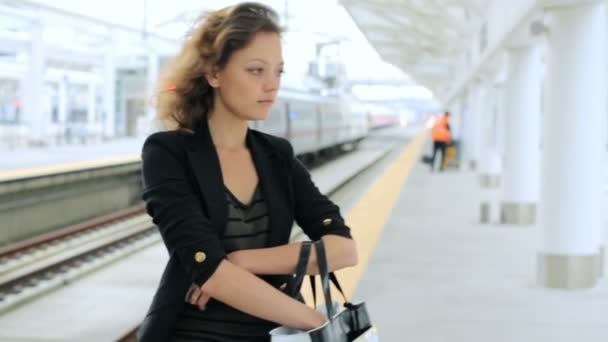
pixel 205 164
pixel 271 173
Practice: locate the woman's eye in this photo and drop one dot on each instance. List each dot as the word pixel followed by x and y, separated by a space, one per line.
pixel 256 71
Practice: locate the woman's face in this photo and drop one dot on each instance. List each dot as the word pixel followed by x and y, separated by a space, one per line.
pixel 247 86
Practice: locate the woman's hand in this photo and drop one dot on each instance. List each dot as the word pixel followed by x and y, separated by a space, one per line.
pixel 196 296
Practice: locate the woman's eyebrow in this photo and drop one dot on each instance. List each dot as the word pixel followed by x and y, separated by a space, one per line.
pixel 263 61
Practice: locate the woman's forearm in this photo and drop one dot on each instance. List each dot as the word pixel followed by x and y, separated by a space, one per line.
pixel 246 292
pixel 341 253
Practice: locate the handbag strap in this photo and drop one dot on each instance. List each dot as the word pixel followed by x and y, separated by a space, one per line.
pixel 334 280
pixel 324 274
pixel 296 281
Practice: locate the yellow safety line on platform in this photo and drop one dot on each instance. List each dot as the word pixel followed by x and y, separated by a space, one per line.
pixel 369 216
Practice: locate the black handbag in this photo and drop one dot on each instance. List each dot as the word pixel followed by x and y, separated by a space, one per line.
pixel 348 323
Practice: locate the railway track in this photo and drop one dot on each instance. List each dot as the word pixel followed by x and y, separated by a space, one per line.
pixel 32 267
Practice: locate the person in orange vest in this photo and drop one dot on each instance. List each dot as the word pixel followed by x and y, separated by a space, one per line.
pixel 442 138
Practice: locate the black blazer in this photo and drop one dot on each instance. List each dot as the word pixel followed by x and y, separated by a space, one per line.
pixel 184 194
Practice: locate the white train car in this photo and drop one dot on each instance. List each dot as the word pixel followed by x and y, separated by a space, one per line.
pixel 315 124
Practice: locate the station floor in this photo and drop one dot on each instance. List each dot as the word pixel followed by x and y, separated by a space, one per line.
pixel 438 275
pixel 428 270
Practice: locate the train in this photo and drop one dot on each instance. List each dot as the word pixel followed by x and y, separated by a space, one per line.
pixel 316 125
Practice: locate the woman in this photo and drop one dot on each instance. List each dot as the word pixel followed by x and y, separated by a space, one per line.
pixel 224 197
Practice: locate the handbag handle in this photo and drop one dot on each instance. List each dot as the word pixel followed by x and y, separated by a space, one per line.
pixel 303 259
pixel 334 280
pixel 324 274
pixel 298 277
pixel 332 277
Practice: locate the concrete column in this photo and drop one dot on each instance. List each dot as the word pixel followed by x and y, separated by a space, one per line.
pixel 62 107
pixel 490 159
pixel 91 94
pixel 62 93
pixel 476 100
pixel 109 96
pixel 35 116
pixel 455 109
pixel 490 163
pixel 91 111
pixel 465 141
pixel 457 125
pixel 520 184
pixel 570 213
pixel 152 76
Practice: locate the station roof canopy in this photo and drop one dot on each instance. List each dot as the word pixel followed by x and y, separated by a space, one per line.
pixel 423 38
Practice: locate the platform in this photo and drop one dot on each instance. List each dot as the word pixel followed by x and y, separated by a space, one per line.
pixel 428 271
pixel 106 304
pixel 437 275
pixel 20 159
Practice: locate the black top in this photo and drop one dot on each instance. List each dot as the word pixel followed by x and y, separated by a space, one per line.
pixel 185 196
pixel 247 228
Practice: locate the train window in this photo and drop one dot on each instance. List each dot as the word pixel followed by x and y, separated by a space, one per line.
pixel 302 111
pixel 275 123
pixel 276 115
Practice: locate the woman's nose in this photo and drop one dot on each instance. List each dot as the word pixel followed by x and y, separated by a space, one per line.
pixel 271 83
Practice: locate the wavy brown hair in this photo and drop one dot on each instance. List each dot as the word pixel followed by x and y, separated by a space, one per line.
pixel 184 97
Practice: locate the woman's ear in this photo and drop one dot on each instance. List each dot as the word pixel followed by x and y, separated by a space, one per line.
pixel 213 78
